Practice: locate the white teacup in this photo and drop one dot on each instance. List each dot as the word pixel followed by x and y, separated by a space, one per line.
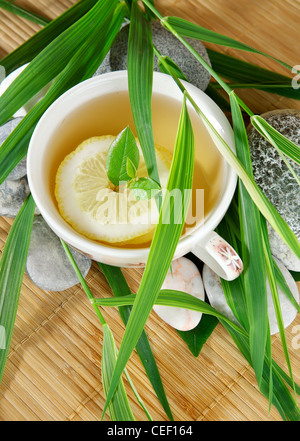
pixel 202 241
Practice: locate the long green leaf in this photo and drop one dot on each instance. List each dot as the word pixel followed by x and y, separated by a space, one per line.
pixel 278 140
pixel 83 64
pixel 260 200
pixel 24 13
pixel 119 408
pixel 192 30
pixel 52 60
pixel 120 288
pixel 252 250
pixel 241 71
pixel 30 48
pixel 12 266
pixel 160 256
pixel 274 291
pixel 248 75
pixel 172 298
pixel 286 377
pixel 282 398
pixel 140 78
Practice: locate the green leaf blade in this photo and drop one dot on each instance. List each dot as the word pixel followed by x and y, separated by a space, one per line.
pixel 160 257
pixel 30 48
pixel 192 30
pixel 252 251
pixel 83 64
pixel 140 79
pixel 12 266
pixel 271 273
pixel 50 61
pixel 24 13
pixel 119 407
pixel 256 194
pixel 176 299
pixel 284 144
pixel 120 288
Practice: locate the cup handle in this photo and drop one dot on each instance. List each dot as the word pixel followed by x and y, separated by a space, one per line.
pixel 219 256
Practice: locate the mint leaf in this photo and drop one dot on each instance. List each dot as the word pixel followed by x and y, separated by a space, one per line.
pixel 124 146
pixel 144 188
pixel 130 168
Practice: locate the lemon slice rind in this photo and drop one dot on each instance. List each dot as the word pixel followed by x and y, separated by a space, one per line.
pixel 87 201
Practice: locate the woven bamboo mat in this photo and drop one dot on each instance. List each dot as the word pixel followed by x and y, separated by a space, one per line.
pixel 53 369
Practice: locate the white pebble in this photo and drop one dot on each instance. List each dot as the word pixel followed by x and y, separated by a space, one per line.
pixel 280 250
pixel 185 277
pixel 32 102
pixel 216 296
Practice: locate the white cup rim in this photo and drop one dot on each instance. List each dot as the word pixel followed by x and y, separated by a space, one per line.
pixel 61 108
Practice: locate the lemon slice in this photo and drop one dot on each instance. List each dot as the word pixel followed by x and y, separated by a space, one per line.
pixel 87 200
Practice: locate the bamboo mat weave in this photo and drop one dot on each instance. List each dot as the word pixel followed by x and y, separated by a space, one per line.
pixel 53 369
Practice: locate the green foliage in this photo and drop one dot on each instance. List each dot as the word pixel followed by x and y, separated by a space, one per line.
pixel 69 50
pixel 122 149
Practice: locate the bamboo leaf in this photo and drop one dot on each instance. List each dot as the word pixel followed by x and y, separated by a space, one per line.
pixel 140 78
pixel 248 75
pixel 241 71
pixel 160 256
pixel 217 98
pixel 168 66
pixel 282 398
pixel 163 60
pixel 278 140
pixel 119 408
pixel 28 50
pixel 252 251
pixel 12 266
pixel 176 299
pixel 83 64
pixel 120 288
pixel 192 30
pixel 52 60
pixel 24 13
pixel 260 200
pixel 274 291
pixel 286 377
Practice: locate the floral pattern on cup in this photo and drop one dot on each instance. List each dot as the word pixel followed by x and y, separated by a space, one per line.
pixel 226 255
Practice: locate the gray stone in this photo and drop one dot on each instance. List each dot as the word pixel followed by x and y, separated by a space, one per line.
pixel 275 179
pixel 167 45
pixel 12 196
pixel 47 264
pixel 104 66
pixel 20 170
